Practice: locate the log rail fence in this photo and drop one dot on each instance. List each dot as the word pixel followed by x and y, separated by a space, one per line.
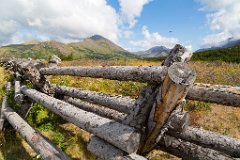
pixel 122 128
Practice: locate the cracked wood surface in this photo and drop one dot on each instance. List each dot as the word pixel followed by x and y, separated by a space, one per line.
pixel 100 110
pixel 221 94
pixel 212 140
pixel 174 88
pixel 119 103
pixel 151 74
pixel 106 151
pixel 122 136
pixel 190 151
pixel 40 144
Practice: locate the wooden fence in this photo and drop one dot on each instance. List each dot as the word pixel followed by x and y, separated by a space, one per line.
pixel 123 128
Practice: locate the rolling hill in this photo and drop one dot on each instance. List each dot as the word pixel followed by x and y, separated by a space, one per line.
pixel 95 47
pixel 231 54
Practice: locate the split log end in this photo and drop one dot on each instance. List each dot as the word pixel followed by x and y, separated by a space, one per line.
pixel 181 73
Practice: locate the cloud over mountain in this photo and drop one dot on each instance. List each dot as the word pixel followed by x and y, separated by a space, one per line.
pixel 64 20
pixel 223 19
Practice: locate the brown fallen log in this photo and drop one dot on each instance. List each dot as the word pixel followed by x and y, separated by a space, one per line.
pixel 40 144
pixel 221 94
pixel 100 110
pixel 122 136
pixel 190 151
pixel 106 151
pixel 121 104
pixel 210 139
pixel 175 86
pixel 152 74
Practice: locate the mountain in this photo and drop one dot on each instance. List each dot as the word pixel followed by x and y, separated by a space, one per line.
pixel 96 47
pixel 154 52
pixel 230 43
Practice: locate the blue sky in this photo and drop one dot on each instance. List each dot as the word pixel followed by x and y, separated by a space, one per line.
pixel 133 24
pixel 171 18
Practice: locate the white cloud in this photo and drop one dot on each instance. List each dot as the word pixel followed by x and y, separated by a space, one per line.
pixel 130 10
pixel 153 39
pixel 56 19
pixel 223 19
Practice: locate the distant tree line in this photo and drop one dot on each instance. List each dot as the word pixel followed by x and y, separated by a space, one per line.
pixel 223 54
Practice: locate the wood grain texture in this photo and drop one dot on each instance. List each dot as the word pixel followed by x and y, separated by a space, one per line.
pixel 122 136
pixel 40 144
pixel 97 109
pixel 152 74
pixel 175 86
pixel 212 140
pixel 221 94
pixel 106 151
pixel 119 103
pixel 190 151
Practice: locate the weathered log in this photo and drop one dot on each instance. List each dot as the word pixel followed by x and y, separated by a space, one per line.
pixel 142 107
pixel 2 117
pixel 210 139
pixel 18 96
pixel 221 94
pixel 100 110
pixel 8 86
pixel 152 74
pixel 106 151
pixel 23 101
pixel 29 70
pixel 144 103
pixel 39 143
pixel 121 104
pixel 190 151
pixel 175 86
pixel 54 60
pixel 177 54
pixel 121 136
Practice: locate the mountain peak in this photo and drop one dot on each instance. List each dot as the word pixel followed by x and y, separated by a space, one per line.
pixel 157 51
pixel 97 37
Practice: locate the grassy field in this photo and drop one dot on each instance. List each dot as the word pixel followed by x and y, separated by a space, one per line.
pixel 72 140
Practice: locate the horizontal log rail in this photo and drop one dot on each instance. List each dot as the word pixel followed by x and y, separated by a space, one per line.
pixel 40 144
pixel 212 140
pixel 122 136
pixel 100 110
pixel 152 74
pixel 198 136
pixel 220 94
pixel 187 150
pixel 121 104
pixel 125 104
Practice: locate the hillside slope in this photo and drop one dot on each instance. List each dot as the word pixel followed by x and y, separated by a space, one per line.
pixel 231 54
pixel 96 47
pixel 154 52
